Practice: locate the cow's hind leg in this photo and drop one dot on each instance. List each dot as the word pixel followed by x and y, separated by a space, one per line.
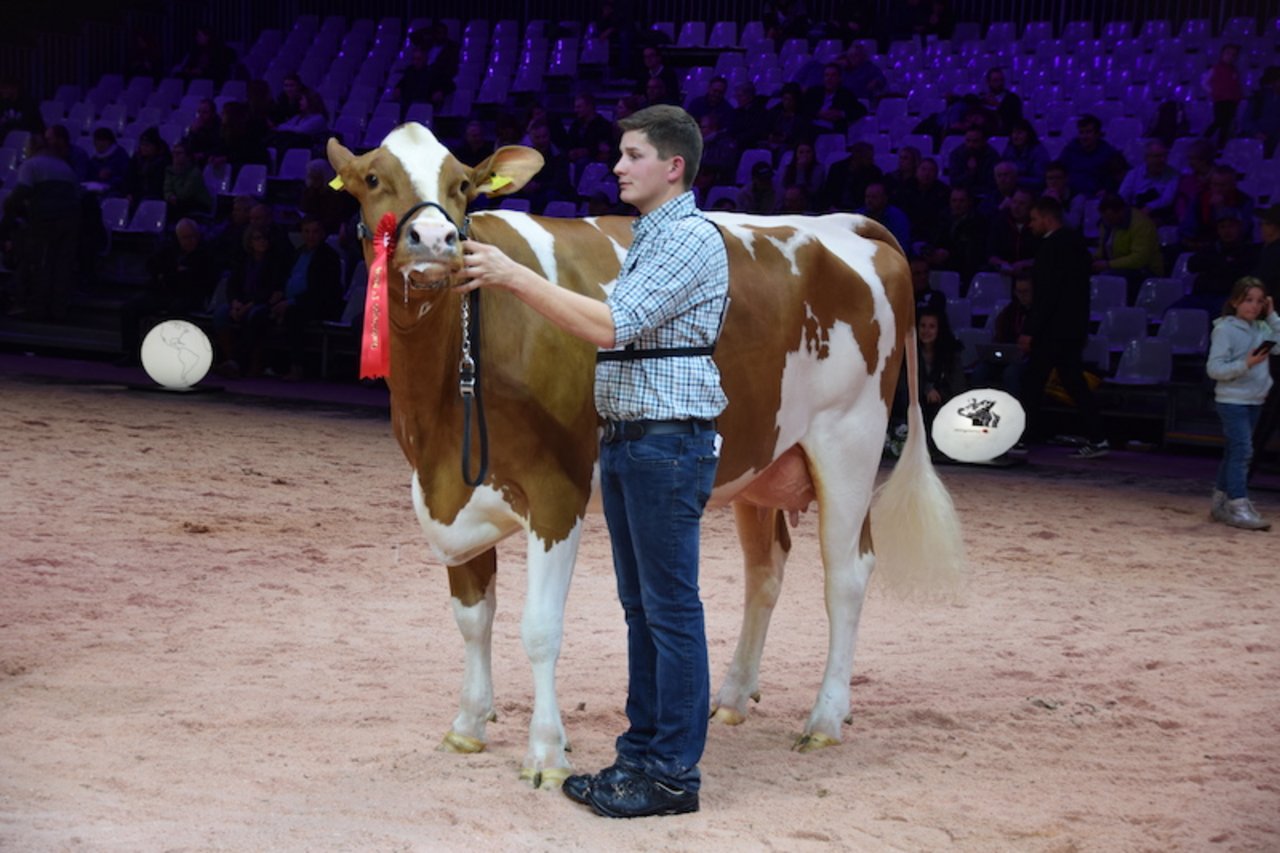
pixel 765 545
pixel 542 629
pixel 472 587
pixel 844 528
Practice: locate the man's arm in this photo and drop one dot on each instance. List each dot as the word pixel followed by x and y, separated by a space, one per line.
pixel 579 315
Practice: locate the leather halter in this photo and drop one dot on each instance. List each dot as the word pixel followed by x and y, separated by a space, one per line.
pixel 469 366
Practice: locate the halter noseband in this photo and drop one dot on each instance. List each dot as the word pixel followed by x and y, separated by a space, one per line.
pixel 363 232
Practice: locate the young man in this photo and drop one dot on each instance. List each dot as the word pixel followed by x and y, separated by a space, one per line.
pixel 659 393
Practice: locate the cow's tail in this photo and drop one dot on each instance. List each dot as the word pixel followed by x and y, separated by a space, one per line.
pixel 919 549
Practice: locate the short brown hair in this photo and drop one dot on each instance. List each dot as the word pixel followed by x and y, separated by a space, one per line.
pixel 1238 292
pixel 671 131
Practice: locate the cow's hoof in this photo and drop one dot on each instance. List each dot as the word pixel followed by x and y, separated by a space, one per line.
pixel 813 742
pixel 728 716
pixel 462 744
pixel 545 779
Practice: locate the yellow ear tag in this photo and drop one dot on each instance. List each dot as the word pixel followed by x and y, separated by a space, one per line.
pixel 336 183
pixel 497 182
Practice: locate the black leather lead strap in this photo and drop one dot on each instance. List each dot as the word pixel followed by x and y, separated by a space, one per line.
pixel 630 353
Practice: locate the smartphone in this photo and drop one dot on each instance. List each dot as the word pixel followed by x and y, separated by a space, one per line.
pixel 1264 347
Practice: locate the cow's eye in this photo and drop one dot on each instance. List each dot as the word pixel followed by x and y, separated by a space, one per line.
pixel 371 181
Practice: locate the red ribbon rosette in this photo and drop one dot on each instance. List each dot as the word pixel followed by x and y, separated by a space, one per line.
pixel 375 346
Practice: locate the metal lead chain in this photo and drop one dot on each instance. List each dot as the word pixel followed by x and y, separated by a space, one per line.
pixel 467 365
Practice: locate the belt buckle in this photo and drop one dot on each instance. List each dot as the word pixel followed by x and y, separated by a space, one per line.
pixel 610 432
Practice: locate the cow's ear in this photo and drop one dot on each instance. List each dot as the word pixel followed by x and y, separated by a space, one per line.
pixel 339 156
pixel 506 171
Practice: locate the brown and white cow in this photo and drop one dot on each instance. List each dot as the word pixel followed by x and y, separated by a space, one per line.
pixel 821 315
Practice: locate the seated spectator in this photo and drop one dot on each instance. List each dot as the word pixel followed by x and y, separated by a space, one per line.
pixel 719 155
pixel 308 127
pixel 433 65
pixel 185 192
pixel 147 168
pixel 1153 187
pixel 750 121
pixel 1006 184
pixel 1011 247
pixel 831 107
pixel 312 293
pixel 18 111
pixel 109 163
pixel 654 66
pixel 1198 227
pixel 319 201
pixel 847 179
pixel 239 145
pixel 1128 246
pixel 972 164
pixel 926 206
pixel 227 239
pixel 877 207
pixel 1001 101
pixel 796 199
pixel 759 196
pixel 1057 185
pixel 860 75
pixel 656 92
pixel 714 101
pixel 475 144
pixel 804 171
pixel 1260 118
pixel 209 59
pixel 552 181
pixel 59 144
pixel 1006 328
pixel 926 296
pixel 286 105
pixel 1169 122
pixel 46 202
pixel 1268 268
pixel 241 324
pixel 204 135
pixel 1232 256
pixel 787 122
pixel 1095 166
pixel 963 248
pixel 586 131
pixel 1025 151
pixel 902 181
pixel 1195 180
pixel 183 275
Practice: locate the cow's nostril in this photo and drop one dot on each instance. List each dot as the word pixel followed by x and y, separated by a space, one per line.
pixel 413 236
pixel 451 238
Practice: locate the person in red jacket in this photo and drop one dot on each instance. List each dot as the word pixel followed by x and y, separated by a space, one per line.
pixel 1225 90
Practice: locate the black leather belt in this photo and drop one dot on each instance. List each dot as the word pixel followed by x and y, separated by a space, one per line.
pixel 631 430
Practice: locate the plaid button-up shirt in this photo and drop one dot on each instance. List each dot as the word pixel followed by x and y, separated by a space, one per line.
pixel 672 292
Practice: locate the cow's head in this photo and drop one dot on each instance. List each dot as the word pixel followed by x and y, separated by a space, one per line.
pixel 412 167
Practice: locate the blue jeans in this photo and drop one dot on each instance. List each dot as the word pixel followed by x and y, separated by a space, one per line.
pixel 654 490
pixel 1238 422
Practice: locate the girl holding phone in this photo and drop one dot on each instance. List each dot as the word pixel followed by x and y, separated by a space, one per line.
pixel 1238 356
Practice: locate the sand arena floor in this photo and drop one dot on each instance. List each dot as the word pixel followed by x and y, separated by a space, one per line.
pixel 220 630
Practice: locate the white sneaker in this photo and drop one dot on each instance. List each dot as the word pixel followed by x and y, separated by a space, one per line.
pixel 1218 506
pixel 1240 513
pixel 1093 450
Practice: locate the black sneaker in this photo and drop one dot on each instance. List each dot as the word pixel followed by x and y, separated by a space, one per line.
pixel 637 795
pixel 578 786
pixel 1093 450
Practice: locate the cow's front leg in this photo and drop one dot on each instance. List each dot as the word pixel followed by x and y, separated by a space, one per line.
pixel 542 627
pixel 472 586
pixel 765 545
